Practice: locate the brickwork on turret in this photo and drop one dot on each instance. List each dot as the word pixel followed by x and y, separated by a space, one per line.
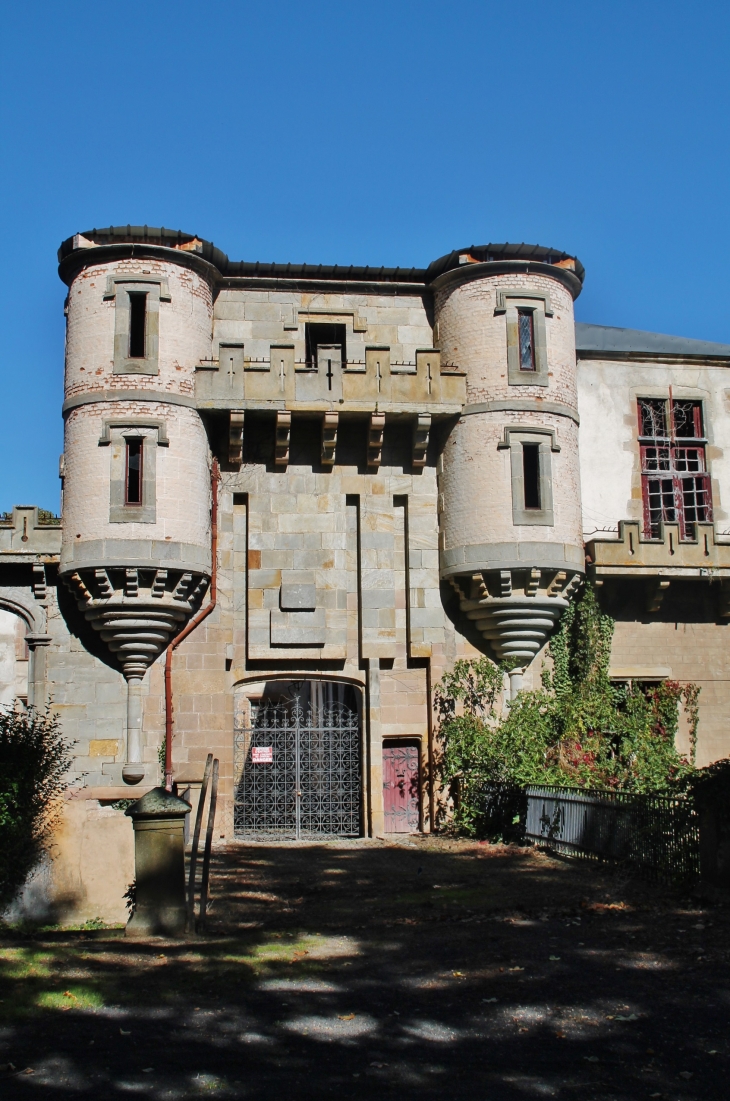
pixel 472 335
pixel 185 329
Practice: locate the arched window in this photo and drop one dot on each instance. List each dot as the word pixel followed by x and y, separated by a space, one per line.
pixel 14 659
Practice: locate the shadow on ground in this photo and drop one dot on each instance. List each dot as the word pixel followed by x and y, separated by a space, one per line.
pixel 427 969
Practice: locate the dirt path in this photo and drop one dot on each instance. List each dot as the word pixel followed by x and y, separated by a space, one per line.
pixel 361 970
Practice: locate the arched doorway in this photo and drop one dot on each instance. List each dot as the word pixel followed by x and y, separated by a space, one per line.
pixel 14 659
pixel 297 761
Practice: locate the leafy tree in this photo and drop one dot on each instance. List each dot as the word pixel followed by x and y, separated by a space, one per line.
pixel 578 729
pixel 34 759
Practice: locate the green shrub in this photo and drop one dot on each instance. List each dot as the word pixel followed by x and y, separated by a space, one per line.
pixel 579 729
pixel 34 759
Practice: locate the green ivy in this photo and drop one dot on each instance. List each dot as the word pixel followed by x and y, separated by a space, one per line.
pixel 578 729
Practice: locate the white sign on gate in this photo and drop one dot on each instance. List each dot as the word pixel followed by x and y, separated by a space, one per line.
pixel 262 754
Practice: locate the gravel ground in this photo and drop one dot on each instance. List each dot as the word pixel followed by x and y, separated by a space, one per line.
pixel 367 970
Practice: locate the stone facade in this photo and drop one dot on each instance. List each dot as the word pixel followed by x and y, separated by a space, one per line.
pixel 410 467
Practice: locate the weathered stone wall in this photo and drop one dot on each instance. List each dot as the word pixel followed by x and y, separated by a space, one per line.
pixel 608 392
pixel 184 329
pixel 687 652
pixel 182 489
pixel 13 658
pixel 259 317
pixel 344 532
pixel 471 334
pixel 92 533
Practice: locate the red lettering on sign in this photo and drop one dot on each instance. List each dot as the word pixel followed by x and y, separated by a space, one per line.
pixel 262 754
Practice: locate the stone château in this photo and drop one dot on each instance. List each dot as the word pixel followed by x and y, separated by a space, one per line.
pixel 410 466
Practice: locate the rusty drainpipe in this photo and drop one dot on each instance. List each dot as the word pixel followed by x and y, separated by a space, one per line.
pixel 214 476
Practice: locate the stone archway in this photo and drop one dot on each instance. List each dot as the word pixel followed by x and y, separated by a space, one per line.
pixel 21 630
pixel 297 761
pixel 14 659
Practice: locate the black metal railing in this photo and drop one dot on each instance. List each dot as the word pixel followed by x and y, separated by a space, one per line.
pixel 656 834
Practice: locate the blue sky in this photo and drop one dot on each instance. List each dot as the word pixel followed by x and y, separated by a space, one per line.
pixel 382 133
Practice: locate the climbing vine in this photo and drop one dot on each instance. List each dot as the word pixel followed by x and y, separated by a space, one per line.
pixel 578 729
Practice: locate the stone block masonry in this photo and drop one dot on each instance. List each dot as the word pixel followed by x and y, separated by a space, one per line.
pixel 419 494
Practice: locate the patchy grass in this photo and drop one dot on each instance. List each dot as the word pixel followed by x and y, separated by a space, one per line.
pixel 76 997
pixel 363 970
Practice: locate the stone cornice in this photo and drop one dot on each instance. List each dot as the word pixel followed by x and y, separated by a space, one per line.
pixel 98 255
pixel 454 277
pixel 522 405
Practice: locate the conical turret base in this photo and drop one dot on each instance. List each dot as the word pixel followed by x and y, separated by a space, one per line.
pixel 137 613
pixel 516 611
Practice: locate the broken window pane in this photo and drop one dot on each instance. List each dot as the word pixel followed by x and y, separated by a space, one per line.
pixel 653 417
pixel 675 482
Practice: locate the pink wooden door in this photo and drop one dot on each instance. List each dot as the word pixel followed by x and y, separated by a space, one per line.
pixel 400 788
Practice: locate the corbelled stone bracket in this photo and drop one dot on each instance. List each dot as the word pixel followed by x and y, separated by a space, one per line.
pixel 421 432
pixel 330 423
pixel 39 581
pixel 106 589
pixel 159 583
pixel 375 440
pixel 655 592
pixel 282 439
pixel 235 437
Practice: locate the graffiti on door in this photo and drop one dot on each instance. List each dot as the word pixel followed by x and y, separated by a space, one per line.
pixel 400 788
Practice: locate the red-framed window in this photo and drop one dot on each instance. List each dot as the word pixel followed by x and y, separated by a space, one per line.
pixel 674 479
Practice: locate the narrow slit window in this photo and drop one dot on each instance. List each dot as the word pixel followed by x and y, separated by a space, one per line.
pixel 133 479
pixel 526 327
pixel 137 325
pixel 531 474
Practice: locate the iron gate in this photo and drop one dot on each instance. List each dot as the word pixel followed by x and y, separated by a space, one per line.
pixel 297 772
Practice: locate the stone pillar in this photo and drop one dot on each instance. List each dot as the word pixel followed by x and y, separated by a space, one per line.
pixel 133 770
pixel 37 680
pixel 376 805
pixel 159 859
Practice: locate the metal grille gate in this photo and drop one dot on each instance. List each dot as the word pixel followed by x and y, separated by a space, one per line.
pixel 297 772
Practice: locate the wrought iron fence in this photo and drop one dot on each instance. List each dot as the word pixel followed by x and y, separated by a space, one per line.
pixel 657 834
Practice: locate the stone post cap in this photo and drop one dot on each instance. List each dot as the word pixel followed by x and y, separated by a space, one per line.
pixel 158 803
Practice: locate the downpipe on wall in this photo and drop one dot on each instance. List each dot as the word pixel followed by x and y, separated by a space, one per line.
pixel 194 622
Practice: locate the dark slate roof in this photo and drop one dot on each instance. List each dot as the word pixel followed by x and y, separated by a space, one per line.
pixel 613 341
pixel 190 242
